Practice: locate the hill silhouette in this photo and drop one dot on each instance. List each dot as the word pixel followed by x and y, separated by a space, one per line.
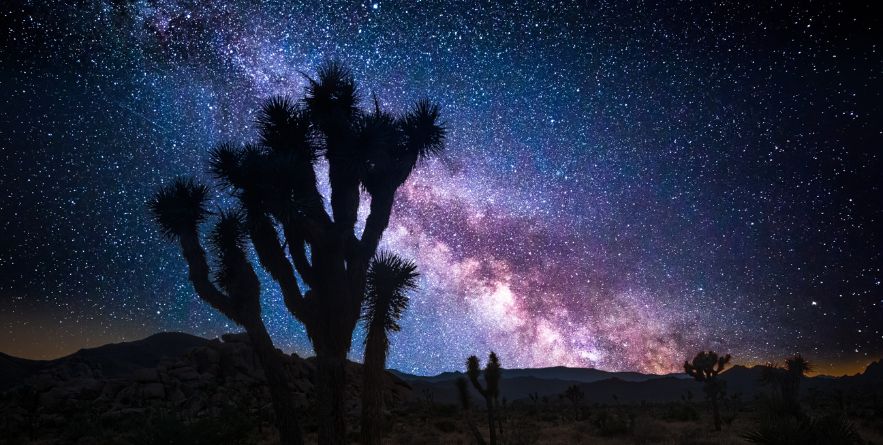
pixel 114 360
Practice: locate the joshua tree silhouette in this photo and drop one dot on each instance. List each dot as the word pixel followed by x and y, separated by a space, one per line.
pixel 491 388
pixel 275 185
pixel 796 368
pixel 465 402
pixel 705 368
pixel 787 380
pixel 575 395
pixel 179 208
pixel 389 279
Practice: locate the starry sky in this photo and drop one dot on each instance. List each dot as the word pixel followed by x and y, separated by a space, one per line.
pixel 625 183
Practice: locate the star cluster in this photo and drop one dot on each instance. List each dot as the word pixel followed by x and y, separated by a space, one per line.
pixel 622 186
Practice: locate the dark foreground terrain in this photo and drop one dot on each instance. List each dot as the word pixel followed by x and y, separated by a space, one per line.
pixel 175 388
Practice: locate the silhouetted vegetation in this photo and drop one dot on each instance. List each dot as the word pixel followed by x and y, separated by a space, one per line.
pixel 777 429
pixel 389 279
pixel 614 422
pixel 705 368
pixel 274 183
pixel 228 428
pixel 575 395
pixel 490 390
pixel 465 402
pixel 180 208
pixel 785 381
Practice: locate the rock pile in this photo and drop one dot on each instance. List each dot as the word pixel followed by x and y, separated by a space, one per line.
pixel 202 382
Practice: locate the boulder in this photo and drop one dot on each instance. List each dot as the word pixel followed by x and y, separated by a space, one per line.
pixel 146 375
pixel 153 391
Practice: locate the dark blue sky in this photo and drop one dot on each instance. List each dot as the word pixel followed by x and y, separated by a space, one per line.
pixel 624 183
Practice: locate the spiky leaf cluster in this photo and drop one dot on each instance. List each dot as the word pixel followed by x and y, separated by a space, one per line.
pixel 389 280
pixel 285 128
pixel 333 98
pixel 423 135
pixel 228 241
pixel 797 366
pixel 492 375
pixel 179 207
pixel 276 182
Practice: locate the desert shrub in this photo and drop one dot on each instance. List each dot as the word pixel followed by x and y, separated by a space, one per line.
pixel 648 431
pixel 680 412
pixel 445 410
pixel 548 417
pixel 521 433
pixel 611 423
pixel 81 425
pixel 446 426
pixel 784 430
pixel 424 437
pixel 228 428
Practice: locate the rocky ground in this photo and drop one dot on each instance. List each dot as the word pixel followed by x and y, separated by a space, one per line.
pixel 218 379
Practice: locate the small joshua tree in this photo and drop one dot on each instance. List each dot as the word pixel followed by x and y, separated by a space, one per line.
pixel 491 388
pixel 534 397
pixel 796 368
pixel 389 280
pixel 575 395
pixel 705 368
pixel 787 380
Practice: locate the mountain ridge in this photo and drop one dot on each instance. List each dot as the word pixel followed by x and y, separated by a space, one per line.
pixel 115 359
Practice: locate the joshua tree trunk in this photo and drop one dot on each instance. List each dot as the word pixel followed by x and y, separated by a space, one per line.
pixel 372 391
pixel 280 393
pixel 331 396
pixel 499 417
pixel 716 412
pixel 479 439
pixel 490 421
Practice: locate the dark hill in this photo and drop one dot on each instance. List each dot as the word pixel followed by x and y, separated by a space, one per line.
pixel 120 358
pixel 14 369
pixel 114 360
pixel 111 360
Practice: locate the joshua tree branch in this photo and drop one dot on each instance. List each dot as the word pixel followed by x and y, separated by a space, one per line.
pixel 194 254
pixel 377 222
pixel 314 208
pixel 309 229
pixel 297 250
pixel 344 195
pixel 272 257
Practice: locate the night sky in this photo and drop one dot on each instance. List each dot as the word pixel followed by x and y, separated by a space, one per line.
pixel 623 185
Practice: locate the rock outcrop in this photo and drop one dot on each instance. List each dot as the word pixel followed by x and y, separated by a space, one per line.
pixel 201 382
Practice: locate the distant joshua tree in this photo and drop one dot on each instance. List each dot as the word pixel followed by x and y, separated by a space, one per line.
pixel 179 208
pixel 465 402
pixel 576 396
pixel 320 264
pixel 705 368
pixel 389 280
pixel 491 388
pixel 534 397
pixel 787 380
pixel 796 368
